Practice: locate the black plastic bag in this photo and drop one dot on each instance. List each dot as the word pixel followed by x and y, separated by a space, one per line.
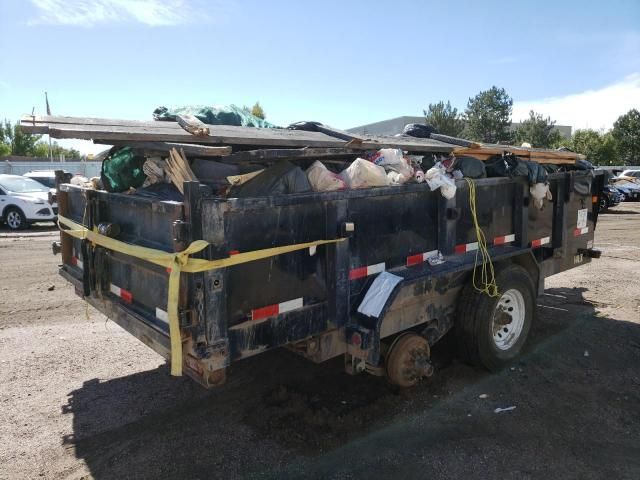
pixel 419 130
pixel 470 167
pixel 512 166
pixel 280 178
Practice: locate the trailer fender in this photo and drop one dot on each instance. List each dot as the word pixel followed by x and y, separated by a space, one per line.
pixel 426 303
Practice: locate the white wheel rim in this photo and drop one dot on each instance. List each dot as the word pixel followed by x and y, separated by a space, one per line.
pixel 508 319
pixel 13 219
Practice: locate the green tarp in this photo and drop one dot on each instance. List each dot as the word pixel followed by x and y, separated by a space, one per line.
pixel 216 115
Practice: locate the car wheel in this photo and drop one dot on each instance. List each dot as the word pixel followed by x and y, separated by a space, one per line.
pixel 491 331
pixel 603 204
pixel 15 219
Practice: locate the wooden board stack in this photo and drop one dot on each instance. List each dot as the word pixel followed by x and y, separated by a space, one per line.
pixel 231 143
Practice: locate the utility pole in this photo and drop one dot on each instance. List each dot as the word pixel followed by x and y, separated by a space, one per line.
pixel 46 99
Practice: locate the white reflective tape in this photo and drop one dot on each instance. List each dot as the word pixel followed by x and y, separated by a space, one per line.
pixel 472 246
pixel 510 238
pixel 545 240
pixel 115 289
pixel 162 315
pixel 428 255
pixel 290 305
pixel 377 268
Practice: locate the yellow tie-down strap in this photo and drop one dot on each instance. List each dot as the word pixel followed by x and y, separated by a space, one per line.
pixel 179 262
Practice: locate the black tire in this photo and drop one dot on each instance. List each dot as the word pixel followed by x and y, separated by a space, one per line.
pixel 15 219
pixel 604 204
pixel 475 319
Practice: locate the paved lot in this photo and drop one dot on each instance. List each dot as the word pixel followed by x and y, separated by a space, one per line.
pixel 81 398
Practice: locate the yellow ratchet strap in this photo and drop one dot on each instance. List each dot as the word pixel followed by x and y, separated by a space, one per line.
pixel 179 262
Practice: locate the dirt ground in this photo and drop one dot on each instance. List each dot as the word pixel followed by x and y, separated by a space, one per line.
pixel 81 398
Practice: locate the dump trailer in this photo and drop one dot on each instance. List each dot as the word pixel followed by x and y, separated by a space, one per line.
pixel 376 275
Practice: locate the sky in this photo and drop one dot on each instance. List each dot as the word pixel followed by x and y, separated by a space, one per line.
pixel 344 63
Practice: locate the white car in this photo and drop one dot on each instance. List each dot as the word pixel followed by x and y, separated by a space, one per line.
pixel 631 173
pixel 45 177
pixel 24 201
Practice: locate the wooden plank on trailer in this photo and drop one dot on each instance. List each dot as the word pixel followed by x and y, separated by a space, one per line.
pixel 108 131
pixel 190 149
pixel 289 154
pixel 221 135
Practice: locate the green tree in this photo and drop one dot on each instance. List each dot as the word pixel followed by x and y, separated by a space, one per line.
pixel 538 131
pixel 258 111
pixel 626 132
pixel 599 148
pixel 488 116
pixel 41 149
pixel 20 143
pixel 444 118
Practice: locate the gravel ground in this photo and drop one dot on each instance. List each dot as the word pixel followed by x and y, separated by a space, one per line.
pixel 81 398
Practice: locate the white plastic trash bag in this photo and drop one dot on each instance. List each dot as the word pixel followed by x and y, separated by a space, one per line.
pixel 398 168
pixel 539 192
pixel 378 293
pixel 436 177
pixel 362 173
pixel 324 180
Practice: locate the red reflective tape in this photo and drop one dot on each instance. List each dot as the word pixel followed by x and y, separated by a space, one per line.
pixel 540 241
pixel 414 260
pixel 233 252
pixel 504 239
pixel 356 273
pixel 168 269
pixel 580 231
pixel 460 248
pixel 264 312
pixel 126 295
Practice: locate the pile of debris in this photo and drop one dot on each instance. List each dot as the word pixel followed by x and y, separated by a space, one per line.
pixel 155 158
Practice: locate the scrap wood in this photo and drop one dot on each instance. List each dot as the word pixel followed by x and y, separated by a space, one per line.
pixel 237 180
pixel 188 148
pixel 179 170
pixel 193 125
pixel 540 156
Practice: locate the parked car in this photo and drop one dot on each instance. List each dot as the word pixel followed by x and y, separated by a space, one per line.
pixel 630 189
pixel 631 173
pixel 45 177
pixel 24 201
pixel 610 197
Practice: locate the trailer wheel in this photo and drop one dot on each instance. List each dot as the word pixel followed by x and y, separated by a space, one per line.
pixel 492 331
pixel 407 360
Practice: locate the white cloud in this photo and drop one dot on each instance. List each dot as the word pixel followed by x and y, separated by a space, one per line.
pixel 88 13
pixel 596 109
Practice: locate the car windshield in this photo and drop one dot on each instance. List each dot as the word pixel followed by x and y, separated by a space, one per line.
pixel 47 181
pixel 22 185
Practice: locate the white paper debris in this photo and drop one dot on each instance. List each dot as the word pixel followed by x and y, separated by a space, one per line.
pixel 378 293
pixel 506 409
